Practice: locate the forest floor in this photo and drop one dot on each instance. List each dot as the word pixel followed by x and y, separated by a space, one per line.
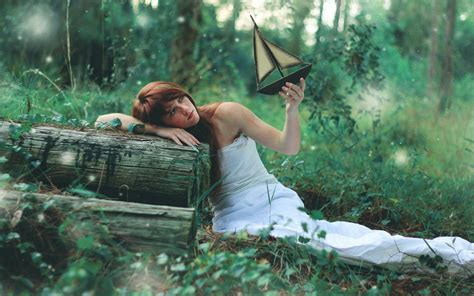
pixel 405 169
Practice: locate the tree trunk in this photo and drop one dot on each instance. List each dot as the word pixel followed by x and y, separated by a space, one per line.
pixel 300 12
pixel 447 67
pixel 347 9
pixel 134 168
pixel 335 25
pixel 320 23
pixel 137 227
pixel 433 58
pixel 183 65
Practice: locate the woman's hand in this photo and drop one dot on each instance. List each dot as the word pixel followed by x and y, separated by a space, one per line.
pixel 178 135
pixel 293 94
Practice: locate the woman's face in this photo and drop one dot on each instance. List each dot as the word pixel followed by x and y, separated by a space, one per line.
pixel 180 112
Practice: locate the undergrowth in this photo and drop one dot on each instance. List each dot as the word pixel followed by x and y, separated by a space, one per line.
pixel 404 170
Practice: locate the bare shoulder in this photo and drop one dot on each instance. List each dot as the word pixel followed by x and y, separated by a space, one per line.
pixel 228 121
pixel 226 108
pixel 229 109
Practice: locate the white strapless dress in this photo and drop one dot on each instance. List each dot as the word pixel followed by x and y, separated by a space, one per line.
pixel 251 199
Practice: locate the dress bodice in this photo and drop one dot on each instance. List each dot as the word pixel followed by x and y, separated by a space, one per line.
pixel 241 166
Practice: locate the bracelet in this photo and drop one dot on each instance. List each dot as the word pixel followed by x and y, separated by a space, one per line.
pixel 132 127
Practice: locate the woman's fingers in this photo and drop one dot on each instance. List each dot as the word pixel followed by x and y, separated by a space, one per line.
pixel 291 92
pixel 196 141
pixel 285 95
pixel 299 89
pixel 302 84
pixel 189 138
pixel 186 138
pixel 176 140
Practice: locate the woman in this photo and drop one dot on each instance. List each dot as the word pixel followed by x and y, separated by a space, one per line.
pixel 251 199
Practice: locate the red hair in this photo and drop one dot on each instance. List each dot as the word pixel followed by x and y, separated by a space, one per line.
pixel 148 107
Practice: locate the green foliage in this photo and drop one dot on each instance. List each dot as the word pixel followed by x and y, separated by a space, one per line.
pixel 222 273
pixel 400 168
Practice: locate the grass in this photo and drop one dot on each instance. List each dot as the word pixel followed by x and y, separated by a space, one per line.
pixel 405 170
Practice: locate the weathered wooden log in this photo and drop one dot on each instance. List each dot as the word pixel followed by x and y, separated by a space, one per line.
pixel 137 227
pixel 123 166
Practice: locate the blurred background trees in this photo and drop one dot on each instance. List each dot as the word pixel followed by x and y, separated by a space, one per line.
pixel 199 42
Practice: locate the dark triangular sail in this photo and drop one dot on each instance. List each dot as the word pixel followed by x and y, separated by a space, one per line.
pixel 263 60
pixel 282 57
pixel 268 57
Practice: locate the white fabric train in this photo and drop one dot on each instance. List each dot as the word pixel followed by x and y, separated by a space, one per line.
pixel 254 207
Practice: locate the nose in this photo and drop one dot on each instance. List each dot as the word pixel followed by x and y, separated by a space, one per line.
pixel 186 110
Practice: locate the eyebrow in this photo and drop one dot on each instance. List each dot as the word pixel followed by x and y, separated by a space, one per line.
pixel 168 109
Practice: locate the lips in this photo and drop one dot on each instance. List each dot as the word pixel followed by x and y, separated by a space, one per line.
pixel 191 115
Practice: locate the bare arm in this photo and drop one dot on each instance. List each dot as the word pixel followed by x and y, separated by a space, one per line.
pixel 178 135
pixel 286 141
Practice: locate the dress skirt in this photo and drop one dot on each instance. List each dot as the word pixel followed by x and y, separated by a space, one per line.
pixel 264 205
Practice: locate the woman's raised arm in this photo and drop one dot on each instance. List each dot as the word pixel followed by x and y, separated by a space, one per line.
pixel 178 135
pixel 286 141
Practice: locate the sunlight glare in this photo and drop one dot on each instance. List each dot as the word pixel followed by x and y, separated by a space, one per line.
pixel 68 158
pixel 40 23
pixel 401 157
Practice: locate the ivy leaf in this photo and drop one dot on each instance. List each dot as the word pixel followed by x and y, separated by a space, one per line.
pixel 305 226
pixel 4 177
pixel 35 164
pixel 316 215
pixel 36 257
pixel 85 243
pixel 303 240
pixel 322 234
pixel 178 267
pixel 12 236
pixel 82 192
pixel 92 266
pixel 26 187
pixel 162 259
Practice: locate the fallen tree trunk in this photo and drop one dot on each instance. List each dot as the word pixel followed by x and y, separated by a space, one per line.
pixel 138 227
pixel 135 168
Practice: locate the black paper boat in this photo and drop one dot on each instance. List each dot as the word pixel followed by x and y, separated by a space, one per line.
pixel 269 56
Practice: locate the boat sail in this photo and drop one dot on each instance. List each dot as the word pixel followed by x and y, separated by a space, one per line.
pixel 268 57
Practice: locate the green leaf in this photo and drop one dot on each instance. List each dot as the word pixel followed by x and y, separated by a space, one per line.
pixel 137 265
pixel 216 275
pixel 24 281
pixel 322 234
pixel 5 177
pixel 316 215
pixel 82 192
pixel 92 266
pixel 305 226
pixel 178 267
pixel 264 280
pixel 162 259
pixel 36 257
pixel 85 243
pixel 3 159
pixel 35 164
pixel 26 187
pixel 204 247
pixel 12 236
pixel 303 240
